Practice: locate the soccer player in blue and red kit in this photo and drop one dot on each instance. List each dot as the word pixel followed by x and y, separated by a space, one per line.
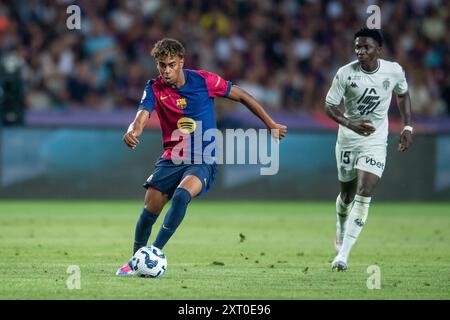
pixel 183 100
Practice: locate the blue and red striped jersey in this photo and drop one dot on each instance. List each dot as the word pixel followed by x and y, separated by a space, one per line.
pixel 189 109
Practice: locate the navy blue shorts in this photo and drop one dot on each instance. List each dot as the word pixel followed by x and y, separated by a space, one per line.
pixel 167 175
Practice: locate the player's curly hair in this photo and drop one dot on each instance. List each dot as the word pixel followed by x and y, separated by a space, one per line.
pixel 167 48
pixel 375 34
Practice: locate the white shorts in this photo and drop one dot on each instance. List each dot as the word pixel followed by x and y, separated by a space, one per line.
pixel 349 161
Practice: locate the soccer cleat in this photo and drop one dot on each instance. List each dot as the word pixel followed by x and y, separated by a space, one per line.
pixel 125 271
pixel 339 264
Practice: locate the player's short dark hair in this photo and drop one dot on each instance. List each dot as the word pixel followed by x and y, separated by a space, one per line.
pixel 168 48
pixel 375 34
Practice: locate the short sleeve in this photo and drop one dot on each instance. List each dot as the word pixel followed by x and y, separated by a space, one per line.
pixel 217 86
pixel 401 87
pixel 337 89
pixel 148 98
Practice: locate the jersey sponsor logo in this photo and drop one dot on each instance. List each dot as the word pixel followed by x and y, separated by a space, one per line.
pixel 354 77
pixel 375 163
pixel 165 97
pixel 368 102
pixel 186 125
pixel 181 103
pixel 354 85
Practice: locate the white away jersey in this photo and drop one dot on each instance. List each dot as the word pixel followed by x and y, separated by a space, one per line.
pixel 367 96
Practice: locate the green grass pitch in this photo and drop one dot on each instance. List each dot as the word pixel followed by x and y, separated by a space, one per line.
pixel 224 250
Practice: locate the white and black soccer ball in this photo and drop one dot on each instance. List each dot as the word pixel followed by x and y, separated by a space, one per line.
pixel 149 262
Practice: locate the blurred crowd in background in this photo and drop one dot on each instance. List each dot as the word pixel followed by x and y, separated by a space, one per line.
pixel 284 52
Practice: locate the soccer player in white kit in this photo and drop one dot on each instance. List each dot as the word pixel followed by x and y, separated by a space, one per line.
pixel 366 86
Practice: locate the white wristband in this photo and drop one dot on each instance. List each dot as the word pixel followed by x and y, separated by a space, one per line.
pixel 407 128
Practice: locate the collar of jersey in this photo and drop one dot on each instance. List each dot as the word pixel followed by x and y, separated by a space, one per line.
pixel 186 76
pixel 371 72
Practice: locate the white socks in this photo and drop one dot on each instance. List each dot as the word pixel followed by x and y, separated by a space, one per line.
pixel 356 220
pixel 342 211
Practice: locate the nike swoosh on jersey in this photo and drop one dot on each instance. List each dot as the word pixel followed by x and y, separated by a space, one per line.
pixel 165 97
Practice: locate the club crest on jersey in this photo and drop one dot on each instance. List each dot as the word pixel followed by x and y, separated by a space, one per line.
pixel 181 103
pixel 368 102
pixel 386 84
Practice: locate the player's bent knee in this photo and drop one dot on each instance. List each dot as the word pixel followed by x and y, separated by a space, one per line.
pixel 192 184
pixel 155 201
pixel 153 209
pixel 181 196
pixel 365 191
pixel 346 197
pixel 155 206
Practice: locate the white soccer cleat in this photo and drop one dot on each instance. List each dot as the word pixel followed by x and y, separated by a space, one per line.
pixel 339 264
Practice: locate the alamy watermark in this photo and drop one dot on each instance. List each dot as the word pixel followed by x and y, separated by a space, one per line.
pixel 74 278
pixel 73 22
pixel 234 146
pixel 374 280
pixel 374 20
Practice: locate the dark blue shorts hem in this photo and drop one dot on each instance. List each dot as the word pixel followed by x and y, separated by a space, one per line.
pixel 167 176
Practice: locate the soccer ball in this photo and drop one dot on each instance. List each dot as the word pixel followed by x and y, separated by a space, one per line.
pixel 149 262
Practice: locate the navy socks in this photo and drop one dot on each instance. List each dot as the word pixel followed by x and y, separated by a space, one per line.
pixel 174 216
pixel 143 229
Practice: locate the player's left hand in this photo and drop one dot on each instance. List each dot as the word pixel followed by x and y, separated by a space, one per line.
pixel 405 141
pixel 278 131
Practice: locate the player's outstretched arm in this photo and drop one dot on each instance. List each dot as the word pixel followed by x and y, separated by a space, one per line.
pixel 237 94
pixel 135 128
pixel 361 127
pixel 404 106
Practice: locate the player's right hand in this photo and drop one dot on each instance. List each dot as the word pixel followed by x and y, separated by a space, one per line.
pixel 278 131
pixel 130 139
pixel 361 127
